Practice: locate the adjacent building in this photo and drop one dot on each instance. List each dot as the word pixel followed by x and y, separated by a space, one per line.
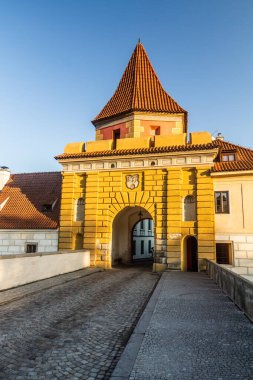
pixel 143 240
pixel 29 212
pixel 232 176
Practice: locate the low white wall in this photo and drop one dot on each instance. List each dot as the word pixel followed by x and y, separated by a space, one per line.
pixel 14 241
pixel 17 270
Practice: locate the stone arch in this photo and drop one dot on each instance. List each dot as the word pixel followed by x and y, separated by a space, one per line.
pixel 101 249
pixel 122 227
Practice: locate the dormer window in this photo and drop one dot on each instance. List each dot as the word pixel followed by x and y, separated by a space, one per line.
pixel 47 207
pixel 227 157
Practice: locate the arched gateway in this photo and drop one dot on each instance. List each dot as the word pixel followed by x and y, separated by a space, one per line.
pixel 122 233
pixel 143 160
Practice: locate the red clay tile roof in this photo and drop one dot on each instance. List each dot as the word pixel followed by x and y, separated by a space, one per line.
pixel 139 90
pixel 244 156
pixel 27 194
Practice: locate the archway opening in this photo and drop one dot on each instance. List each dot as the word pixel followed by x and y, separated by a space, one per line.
pixel 123 230
pixel 190 259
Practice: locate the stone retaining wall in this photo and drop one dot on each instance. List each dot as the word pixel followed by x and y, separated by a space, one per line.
pixel 239 290
pixel 19 269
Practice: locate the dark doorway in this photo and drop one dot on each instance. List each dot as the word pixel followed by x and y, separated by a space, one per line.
pixel 192 254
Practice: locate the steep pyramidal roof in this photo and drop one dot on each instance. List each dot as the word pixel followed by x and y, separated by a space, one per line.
pixel 139 90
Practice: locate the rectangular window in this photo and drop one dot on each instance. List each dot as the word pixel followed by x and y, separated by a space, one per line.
pixel 149 246
pixel 149 225
pixel 224 253
pixel 142 225
pixel 221 202
pixel 31 247
pixel 142 247
pixel 226 157
pixel 134 247
pixel 116 136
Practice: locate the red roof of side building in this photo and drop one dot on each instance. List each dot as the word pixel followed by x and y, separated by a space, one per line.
pixel 244 156
pixel 139 90
pixel 27 196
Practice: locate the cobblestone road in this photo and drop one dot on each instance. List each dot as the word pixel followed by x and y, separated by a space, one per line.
pixel 75 330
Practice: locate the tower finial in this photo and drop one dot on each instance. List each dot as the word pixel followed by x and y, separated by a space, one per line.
pixel 139 40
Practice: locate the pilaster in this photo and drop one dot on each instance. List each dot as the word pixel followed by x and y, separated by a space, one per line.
pixel 205 215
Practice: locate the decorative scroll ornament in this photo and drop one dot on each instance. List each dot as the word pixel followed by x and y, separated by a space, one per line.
pixel 132 181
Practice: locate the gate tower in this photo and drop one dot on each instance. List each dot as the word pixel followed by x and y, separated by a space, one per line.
pixel 141 160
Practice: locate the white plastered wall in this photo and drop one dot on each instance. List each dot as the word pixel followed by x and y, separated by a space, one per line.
pixel 16 271
pixel 14 241
pixel 237 226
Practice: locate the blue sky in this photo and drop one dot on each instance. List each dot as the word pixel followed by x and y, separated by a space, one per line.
pixel 61 60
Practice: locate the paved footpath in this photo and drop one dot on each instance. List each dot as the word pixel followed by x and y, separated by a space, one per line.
pixel 189 330
pixel 71 327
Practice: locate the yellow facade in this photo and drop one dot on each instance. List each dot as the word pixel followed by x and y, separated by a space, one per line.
pixel 160 192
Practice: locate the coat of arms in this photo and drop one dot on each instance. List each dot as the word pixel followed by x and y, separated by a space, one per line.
pixel 132 181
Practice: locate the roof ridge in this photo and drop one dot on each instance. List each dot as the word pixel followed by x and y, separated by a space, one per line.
pixel 135 75
pixel 26 173
pixel 219 142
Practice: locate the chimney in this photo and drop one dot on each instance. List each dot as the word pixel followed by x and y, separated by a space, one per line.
pixel 4 176
pixel 220 136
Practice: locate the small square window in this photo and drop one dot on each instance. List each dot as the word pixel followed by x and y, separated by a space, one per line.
pixel 221 202
pixel 47 207
pixel 155 131
pixel 31 247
